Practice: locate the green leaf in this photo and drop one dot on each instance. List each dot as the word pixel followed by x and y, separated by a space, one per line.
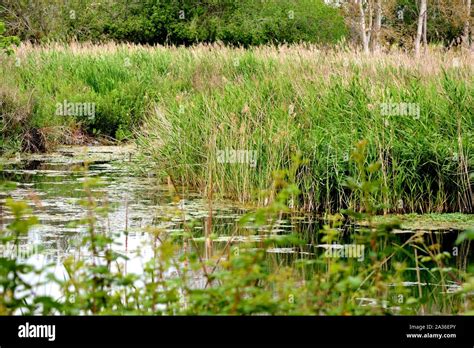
pixel 469 235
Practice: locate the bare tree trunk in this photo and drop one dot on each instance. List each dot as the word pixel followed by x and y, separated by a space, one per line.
pixel 364 36
pixel 419 31
pixel 377 26
pixel 467 34
pixel 425 30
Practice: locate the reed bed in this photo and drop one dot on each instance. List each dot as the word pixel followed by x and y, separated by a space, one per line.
pixel 183 106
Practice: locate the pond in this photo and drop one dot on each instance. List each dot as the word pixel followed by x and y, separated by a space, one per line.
pixel 53 186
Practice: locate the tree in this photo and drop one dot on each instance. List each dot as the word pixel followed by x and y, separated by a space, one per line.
pixel 365 17
pixel 468 35
pixel 421 28
pixel 377 26
pixel 365 28
pixel 395 22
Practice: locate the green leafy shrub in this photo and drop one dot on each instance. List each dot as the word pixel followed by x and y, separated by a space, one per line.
pixel 247 22
pixel 7 41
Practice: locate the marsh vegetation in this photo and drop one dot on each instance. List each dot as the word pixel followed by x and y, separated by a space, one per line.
pixel 100 239
pixel 178 158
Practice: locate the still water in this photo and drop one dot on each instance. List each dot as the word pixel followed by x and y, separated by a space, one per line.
pixel 53 186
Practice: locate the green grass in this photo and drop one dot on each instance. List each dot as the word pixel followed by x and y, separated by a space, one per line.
pixel 185 105
pixel 431 221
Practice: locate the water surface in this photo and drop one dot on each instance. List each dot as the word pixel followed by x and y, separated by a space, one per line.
pixel 53 186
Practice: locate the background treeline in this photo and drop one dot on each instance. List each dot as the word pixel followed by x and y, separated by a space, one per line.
pixel 243 22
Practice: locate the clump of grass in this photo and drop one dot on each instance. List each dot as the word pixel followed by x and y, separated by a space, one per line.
pixel 16 113
pixel 278 102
